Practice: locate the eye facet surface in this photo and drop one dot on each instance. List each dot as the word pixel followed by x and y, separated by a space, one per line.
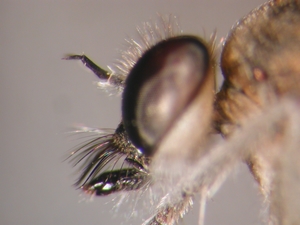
pixel 159 88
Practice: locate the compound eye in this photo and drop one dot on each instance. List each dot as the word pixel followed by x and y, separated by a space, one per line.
pixel 160 87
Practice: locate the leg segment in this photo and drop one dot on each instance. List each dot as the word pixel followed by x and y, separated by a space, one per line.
pixel 101 73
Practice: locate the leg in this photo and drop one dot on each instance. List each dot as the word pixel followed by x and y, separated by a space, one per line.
pixel 101 73
pixel 104 75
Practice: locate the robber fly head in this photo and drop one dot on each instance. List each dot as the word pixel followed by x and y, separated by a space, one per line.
pixel 153 104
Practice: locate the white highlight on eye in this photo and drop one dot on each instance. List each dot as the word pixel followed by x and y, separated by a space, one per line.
pixel 107 186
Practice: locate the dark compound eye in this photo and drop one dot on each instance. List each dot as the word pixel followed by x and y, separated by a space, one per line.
pixel 160 87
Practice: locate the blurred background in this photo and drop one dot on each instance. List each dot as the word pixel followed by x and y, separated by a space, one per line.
pixel 42 97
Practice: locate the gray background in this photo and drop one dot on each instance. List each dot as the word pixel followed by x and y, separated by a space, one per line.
pixel 42 96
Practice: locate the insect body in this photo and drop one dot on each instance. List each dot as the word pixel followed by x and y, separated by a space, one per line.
pixel 170 113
